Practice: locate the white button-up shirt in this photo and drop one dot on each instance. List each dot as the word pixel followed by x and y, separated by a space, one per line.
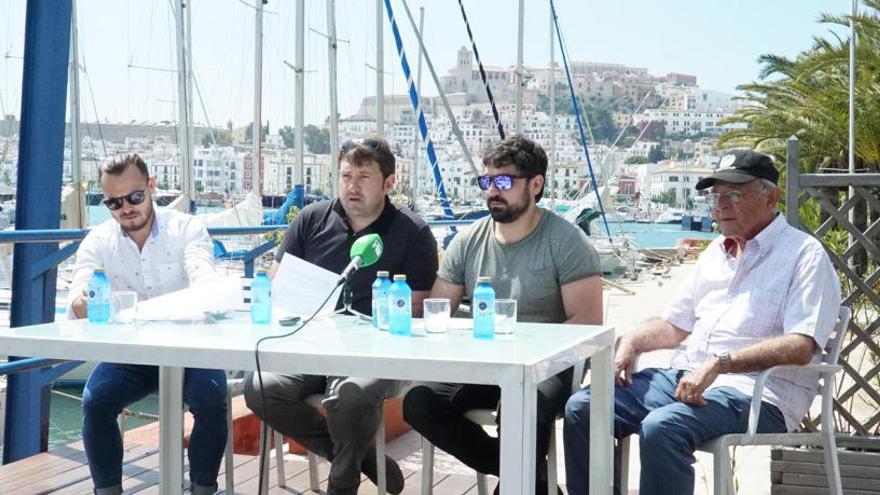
pixel 783 283
pixel 177 254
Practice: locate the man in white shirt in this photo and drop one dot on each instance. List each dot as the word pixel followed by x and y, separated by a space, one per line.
pixel 762 294
pixel 151 252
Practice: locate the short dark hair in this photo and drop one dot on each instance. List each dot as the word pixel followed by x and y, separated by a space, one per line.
pixel 526 155
pixel 370 149
pixel 119 163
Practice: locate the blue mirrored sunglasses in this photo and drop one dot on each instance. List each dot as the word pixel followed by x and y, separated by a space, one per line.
pixel 503 182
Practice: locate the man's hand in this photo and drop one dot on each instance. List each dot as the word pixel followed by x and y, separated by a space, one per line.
pixel 691 387
pixel 80 304
pixel 624 362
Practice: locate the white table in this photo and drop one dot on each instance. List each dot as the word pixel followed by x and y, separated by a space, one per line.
pixel 342 346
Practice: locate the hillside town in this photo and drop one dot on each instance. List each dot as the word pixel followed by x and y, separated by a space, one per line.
pixel 653 136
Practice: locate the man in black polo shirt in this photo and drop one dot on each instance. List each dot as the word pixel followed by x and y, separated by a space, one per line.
pixel 323 234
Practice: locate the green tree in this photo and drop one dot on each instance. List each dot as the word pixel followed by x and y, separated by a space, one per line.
pixel 808 96
pixel 249 132
pixel 218 137
pixel 636 160
pixel 656 154
pixel 288 135
pixel 316 140
pixel 602 123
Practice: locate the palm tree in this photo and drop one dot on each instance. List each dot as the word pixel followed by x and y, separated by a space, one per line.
pixel 808 97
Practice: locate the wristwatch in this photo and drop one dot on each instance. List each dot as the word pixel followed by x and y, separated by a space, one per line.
pixel 724 358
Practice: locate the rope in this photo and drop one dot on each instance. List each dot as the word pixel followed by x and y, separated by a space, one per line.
pixel 577 114
pixel 423 126
pixel 482 72
pixel 127 412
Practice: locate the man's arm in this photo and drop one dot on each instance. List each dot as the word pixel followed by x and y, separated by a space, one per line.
pixel 655 333
pixel 447 290
pixel 418 297
pixel 787 349
pixel 198 253
pixel 583 301
pixel 88 258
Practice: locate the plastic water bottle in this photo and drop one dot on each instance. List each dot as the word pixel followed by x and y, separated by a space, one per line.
pixel 98 303
pixel 400 307
pixel 261 299
pixel 484 309
pixel 380 300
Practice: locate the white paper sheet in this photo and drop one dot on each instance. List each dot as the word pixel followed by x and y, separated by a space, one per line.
pixel 193 303
pixel 300 287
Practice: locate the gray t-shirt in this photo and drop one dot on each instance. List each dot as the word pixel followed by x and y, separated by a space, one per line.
pixel 531 270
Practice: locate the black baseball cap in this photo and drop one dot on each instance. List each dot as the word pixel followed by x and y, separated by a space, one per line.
pixel 741 166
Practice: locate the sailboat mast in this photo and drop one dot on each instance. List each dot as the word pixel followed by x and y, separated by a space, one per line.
pixel 299 95
pixel 257 134
pixel 414 172
pixel 456 130
pixel 519 67
pixel 334 117
pixel 551 171
pixel 184 142
pixel 75 137
pixel 380 71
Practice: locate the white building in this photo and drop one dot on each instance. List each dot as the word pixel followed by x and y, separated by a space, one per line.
pixel 677 179
pixel 689 121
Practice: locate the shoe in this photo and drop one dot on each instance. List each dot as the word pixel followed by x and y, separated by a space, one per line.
pixel 393 475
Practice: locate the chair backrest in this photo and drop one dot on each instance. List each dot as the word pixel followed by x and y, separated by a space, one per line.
pixel 831 352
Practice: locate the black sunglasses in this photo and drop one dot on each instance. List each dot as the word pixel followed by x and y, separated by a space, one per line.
pixel 503 182
pixel 133 199
pixel 351 143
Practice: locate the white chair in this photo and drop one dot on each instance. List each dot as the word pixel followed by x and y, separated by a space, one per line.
pixel 487 417
pixel 720 447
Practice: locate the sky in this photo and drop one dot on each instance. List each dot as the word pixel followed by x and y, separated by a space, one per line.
pixel 719 41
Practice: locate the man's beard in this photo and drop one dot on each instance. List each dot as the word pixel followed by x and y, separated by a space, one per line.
pixel 148 220
pixel 508 213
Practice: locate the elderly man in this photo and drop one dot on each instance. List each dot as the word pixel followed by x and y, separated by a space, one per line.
pixel 762 294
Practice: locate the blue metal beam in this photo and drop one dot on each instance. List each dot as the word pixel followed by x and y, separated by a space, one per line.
pixel 41 158
pixel 55 235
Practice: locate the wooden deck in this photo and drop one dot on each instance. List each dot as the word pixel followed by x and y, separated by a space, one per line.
pixel 65 471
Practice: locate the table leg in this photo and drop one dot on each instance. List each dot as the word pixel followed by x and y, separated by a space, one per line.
pixel 170 430
pixel 601 422
pixel 517 461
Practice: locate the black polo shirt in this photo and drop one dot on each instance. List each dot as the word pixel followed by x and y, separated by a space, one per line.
pixel 321 235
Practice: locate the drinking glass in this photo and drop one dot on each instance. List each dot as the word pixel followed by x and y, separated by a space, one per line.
pixel 124 306
pixel 505 316
pixel 437 314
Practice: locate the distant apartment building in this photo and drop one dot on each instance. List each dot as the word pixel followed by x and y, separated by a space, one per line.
pixel 689 122
pixel 676 179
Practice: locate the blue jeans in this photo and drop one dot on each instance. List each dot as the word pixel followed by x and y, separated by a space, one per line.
pixel 669 430
pixel 112 387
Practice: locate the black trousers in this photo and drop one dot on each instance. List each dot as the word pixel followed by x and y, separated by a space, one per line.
pixel 436 410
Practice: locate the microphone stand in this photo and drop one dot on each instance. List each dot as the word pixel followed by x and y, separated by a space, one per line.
pixel 346 305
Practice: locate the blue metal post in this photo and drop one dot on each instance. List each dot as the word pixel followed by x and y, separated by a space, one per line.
pixel 41 158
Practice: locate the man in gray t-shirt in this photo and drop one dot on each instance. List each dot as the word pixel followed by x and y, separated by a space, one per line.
pixel 533 256
pixel 532 270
